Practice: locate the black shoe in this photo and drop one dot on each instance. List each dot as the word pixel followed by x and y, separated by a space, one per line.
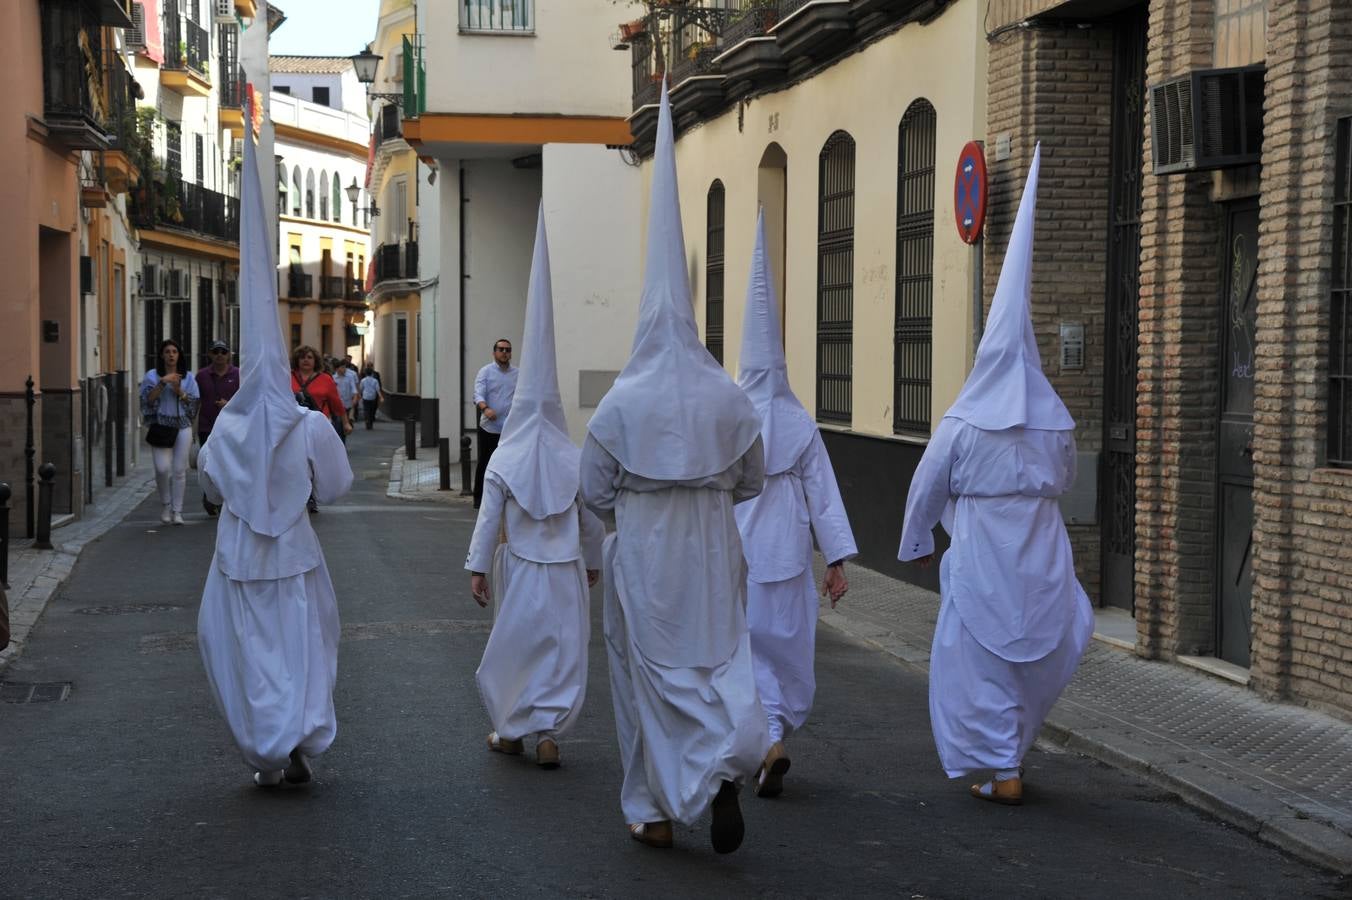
pixel 312 506
pixel 727 829
pixel 299 772
pixel 211 508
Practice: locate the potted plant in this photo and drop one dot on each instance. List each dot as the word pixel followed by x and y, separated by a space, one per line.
pixel 630 30
pixel 182 53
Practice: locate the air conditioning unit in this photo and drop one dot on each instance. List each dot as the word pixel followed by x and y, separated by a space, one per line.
pixel 1207 119
pixel 135 36
pixel 223 12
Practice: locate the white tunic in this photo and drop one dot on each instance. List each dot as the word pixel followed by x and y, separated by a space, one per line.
pixel 268 625
pixel 777 530
pixel 533 676
pixel 1014 619
pixel 681 675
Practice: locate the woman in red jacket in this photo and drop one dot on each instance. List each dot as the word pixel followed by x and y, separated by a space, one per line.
pixel 309 379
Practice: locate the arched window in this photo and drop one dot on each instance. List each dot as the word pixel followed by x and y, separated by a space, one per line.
pixel 337 199
pixel 835 278
pixel 310 193
pixel 296 194
pixel 913 323
pixel 282 179
pixel 324 195
pixel 713 272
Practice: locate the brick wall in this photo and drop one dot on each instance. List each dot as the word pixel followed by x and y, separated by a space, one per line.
pixel 1302 602
pixel 1054 85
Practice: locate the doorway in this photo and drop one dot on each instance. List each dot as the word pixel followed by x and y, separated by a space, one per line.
pixel 1234 469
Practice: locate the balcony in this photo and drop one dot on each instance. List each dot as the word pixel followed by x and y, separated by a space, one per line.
pixel 299 285
pixel 74 102
pixel 333 287
pixel 752 58
pixel 187 60
pixel 681 43
pixel 808 31
pixel 396 262
pixel 180 205
pixel 387 124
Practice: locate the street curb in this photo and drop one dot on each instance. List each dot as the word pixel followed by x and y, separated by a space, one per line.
pixel 1206 787
pixel 50 568
pixel 394 489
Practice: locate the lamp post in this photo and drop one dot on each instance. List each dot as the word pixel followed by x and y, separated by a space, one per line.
pixel 366 64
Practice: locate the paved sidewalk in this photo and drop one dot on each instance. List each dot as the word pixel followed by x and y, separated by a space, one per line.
pixel 1273 770
pixel 35 575
pixel 1277 771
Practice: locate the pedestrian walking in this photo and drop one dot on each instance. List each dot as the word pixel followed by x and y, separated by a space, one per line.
pixel 346 380
pixel 493 389
pixel 268 625
pixel 800 502
pixel 1014 620
pixel 670 449
pixel 315 390
pixel 369 388
pixel 533 676
pixel 217 382
pixel 169 402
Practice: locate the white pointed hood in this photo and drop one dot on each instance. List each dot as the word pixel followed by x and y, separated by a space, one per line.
pixel 1006 388
pixel 258 455
pixel 536 457
pixel 786 427
pixel 673 414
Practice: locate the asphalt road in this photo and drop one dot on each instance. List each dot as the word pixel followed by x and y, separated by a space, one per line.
pixel 132 788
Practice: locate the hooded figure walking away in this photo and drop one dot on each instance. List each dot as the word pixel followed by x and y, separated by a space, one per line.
pixel 671 448
pixel 533 677
pixel 1014 620
pixel 800 501
pixel 268 626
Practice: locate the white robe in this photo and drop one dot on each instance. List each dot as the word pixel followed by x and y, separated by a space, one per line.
pixel 777 531
pixel 533 676
pixel 268 626
pixel 1014 619
pixel 681 675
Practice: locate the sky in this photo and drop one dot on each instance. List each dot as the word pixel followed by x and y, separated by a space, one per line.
pixel 325 27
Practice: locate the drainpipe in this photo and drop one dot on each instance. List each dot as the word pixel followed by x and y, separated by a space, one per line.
pixel 460 409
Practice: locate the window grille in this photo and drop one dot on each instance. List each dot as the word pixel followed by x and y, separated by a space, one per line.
pixel 913 324
pixel 713 273
pixel 835 279
pixel 1340 305
pixel 497 15
pixel 206 317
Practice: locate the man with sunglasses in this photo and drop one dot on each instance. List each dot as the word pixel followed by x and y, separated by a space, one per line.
pixel 218 381
pixel 493 389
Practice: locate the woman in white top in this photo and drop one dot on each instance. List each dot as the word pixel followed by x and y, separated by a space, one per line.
pixel 169 396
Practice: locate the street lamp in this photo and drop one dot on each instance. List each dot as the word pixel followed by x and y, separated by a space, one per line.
pixel 366 63
pixel 353 192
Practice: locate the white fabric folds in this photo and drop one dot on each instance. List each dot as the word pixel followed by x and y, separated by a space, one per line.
pixel 672 413
pixel 268 625
pixel 533 675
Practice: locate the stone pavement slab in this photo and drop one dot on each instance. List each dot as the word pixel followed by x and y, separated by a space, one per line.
pixel 420 478
pixel 1274 770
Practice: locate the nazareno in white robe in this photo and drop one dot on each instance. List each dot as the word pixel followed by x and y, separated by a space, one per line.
pixel 1014 620
pixel 268 626
pixel 681 675
pixel 533 676
pixel 777 530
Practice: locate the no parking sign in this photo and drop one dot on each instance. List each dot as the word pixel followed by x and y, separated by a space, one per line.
pixel 970 189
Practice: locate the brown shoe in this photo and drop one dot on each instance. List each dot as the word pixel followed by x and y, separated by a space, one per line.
pixel 1009 793
pixel 654 834
pixel 502 745
pixel 770 776
pixel 547 754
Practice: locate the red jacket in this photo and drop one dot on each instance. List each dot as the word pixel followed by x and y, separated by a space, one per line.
pixel 324 390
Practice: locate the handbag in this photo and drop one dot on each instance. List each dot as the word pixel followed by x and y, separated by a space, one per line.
pixel 304 399
pixel 158 435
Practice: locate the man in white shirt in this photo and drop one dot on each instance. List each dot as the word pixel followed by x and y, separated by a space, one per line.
pixel 493 389
pixel 346 379
pixel 369 388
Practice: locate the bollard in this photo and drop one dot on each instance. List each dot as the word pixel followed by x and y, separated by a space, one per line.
pixel 444 462
pixel 466 488
pixel 47 484
pixel 410 439
pixel 5 494
pixel 30 449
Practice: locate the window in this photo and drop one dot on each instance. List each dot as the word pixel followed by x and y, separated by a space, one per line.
pixel 401 354
pixel 497 15
pixel 295 335
pixel 323 196
pixel 199 159
pixel 713 272
pixel 913 323
pixel 320 95
pixel 326 339
pixel 173 149
pixel 310 194
pixel 282 89
pixel 281 191
pixel 180 327
pixel 1340 305
pixel 295 191
pixel 337 199
pixel 206 317
pixel 835 278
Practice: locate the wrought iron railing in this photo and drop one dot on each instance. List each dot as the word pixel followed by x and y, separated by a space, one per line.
pixel 396 262
pixel 231 76
pixel 677 42
pixel 497 15
pixel 199 47
pixel 183 205
pixel 387 124
pixel 299 284
pixel 332 287
pixel 74 101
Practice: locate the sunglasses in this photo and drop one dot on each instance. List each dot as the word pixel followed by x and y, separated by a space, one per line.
pixel 502 349
pixel 215 352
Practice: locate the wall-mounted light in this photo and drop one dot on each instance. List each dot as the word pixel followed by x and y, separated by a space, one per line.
pixel 353 192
